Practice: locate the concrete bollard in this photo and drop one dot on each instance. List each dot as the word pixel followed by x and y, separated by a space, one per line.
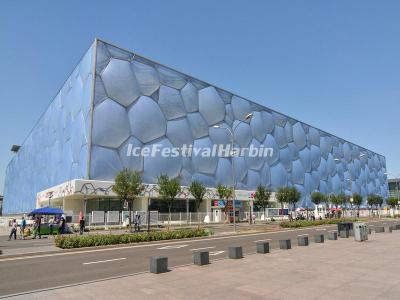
pixel 262 247
pixel 302 240
pixel 319 238
pixel 332 235
pixel 158 264
pixel 344 234
pixel 235 252
pixel 285 244
pixel 201 258
pixel 379 229
pixel 388 229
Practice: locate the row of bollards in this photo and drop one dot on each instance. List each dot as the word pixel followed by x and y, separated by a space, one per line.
pixel 381 229
pixel 159 264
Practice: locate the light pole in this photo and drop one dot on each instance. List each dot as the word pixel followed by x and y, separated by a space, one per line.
pixel 231 152
pixel 50 195
pixel 351 206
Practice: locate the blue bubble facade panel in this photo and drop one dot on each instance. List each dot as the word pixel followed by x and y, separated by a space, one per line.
pixel 131 101
pixel 57 148
pixel 181 110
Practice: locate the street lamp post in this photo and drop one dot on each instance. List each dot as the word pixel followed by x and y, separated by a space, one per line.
pixel 50 195
pixel 231 152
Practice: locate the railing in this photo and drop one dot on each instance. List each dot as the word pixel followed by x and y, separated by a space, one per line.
pixel 116 219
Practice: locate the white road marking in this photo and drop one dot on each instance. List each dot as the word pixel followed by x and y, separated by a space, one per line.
pixel 216 253
pixel 172 247
pixel 262 240
pixel 204 248
pixel 303 235
pixel 152 244
pixel 103 261
pixel 321 229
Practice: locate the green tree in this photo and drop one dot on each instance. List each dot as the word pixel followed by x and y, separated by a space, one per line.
pixel 379 201
pixel 198 191
pixel 261 197
pixel 357 201
pixel 373 201
pixel 282 196
pixel 343 201
pixel 370 202
pixel 393 203
pixel 128 185
pixel 317 198
pixel 294 197
pixel 224 194
pixel 334 200
pixel 168 189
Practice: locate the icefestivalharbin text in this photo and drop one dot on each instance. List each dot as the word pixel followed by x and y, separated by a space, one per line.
pixel 190 151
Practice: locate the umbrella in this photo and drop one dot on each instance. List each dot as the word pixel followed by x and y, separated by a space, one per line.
pixel 46 211
pixel 335 209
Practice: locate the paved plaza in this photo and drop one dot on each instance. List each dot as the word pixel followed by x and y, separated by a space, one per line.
pixel 342 269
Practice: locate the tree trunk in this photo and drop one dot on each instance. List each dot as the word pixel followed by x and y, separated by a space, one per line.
pixel 198 216
pixel 130 220
pixel 169 216
pixel 263 213
pixel 226 212
pixel 294 208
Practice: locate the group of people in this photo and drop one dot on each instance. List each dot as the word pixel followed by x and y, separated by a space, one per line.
pixel 136 222
pixel 310 216
pixel 37 226
pixel 14 229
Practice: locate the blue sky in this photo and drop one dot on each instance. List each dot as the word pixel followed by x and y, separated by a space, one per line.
pixel 332 64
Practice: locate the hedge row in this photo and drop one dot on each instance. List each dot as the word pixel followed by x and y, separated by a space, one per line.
pixel 76 241
pixel 305 223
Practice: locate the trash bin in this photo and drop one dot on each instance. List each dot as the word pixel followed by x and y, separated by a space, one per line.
pixel 360 231
pixel 345 226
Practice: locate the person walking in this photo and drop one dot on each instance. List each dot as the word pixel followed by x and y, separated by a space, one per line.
pixel 62 225
pixel 138 222
pixel 37 227
pixel 135 221
pixel 51 224
pixel 22 228
pixel 13 230
pixel 81 223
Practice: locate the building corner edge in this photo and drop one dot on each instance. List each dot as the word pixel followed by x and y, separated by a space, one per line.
pixel 94 61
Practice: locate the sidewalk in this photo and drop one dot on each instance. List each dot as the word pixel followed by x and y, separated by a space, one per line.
pixel 342 269
pixel 29 245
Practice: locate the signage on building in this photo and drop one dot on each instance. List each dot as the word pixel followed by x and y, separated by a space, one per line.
pixel 218 203
pixel 244 195
pixel 238 204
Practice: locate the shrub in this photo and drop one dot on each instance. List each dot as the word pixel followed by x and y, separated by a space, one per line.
pixel 305 223
pixel 69 242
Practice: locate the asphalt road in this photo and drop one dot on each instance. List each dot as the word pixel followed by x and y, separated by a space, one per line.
pixel 30 273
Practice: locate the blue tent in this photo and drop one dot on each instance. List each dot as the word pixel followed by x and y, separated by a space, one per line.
pixel 46 211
